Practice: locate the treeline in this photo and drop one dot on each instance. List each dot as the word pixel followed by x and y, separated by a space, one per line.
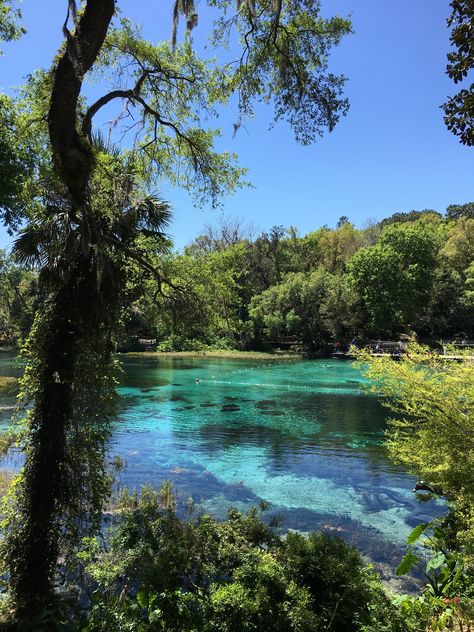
pixel 411 272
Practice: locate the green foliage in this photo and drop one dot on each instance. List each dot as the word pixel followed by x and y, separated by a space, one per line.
pixel 229 290
pixel 394 277
pixel 285 61
pixel 455 211
pixel 459 246
pixel 459 110
pixel 18 298
pixel 417 274
pixel 10 14
pixel 293 308
pixel 178 96
pixel 432 430
pixel 161 573
pixel 334 576
pixel 411 216
pixel 16 164
pixel 447 600
pixel 434 399
pixel 432 434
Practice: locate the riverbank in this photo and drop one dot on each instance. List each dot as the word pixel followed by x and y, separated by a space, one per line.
pixel 225 354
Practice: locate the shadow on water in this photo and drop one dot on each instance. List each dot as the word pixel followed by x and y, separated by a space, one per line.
pixel 304 436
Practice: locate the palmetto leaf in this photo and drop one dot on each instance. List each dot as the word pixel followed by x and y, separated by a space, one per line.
pixel 149 216
pixel 29 248
pixel 153 213
pixel 104 146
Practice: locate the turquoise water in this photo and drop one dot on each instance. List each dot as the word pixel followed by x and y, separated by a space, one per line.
pixel 302 435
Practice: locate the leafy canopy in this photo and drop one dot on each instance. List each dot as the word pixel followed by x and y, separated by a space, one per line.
pixel 10 14
pixel 459 109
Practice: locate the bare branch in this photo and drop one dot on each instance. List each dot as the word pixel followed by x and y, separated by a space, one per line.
pixel 95 107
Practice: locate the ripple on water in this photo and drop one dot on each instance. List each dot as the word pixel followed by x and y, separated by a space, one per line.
pixel 302 435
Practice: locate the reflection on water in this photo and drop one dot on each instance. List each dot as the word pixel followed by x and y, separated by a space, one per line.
pixel 302 435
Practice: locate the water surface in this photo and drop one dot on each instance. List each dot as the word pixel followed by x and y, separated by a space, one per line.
pixel 302 435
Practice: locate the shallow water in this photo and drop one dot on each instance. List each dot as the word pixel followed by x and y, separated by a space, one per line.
pixel 302 435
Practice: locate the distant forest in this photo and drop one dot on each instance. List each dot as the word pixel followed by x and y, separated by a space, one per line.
pixel 231 288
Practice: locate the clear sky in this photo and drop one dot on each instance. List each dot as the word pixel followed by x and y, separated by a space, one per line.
pixel 391 153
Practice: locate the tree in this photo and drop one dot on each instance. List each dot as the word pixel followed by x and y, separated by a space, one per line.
pixel 201 303
pixel 342 220
pixel 455 211
pixel 16 163
pixel 10 15
pixel 459 246
pixel 266 258
pixel 95 208
pixel 336 247
pixel 410 216
pixel 459 110
pixel 18 295
pixel 432 428
pixel 229 232
pixel 293 307
pixel 394 277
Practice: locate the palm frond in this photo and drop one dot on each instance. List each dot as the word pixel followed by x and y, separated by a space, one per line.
pixel 101 144
pixel 153 213
pixel 149 216
pixel 29 248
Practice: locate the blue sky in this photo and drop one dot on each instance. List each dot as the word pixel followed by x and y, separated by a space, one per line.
pixel 391 153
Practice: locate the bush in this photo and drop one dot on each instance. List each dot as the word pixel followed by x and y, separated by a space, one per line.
pixel 163 573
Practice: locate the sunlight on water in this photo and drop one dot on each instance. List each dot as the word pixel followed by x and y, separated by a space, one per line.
pixel 302 435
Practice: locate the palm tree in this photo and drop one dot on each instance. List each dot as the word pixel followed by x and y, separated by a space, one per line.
pixel 68 388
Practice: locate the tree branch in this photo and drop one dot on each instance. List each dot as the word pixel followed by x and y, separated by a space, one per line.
pixel 71 153
pixel 115 94
pixel 95 107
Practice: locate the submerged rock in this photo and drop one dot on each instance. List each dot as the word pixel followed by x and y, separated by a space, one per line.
pixel 229 408
pixel 265 403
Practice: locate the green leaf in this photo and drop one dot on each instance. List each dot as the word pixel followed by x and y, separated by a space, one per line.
pixel 436 561
pixel 417 531
pixel 407 563
pixel 142 598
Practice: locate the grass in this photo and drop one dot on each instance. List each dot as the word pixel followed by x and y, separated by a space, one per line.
pixel 224 353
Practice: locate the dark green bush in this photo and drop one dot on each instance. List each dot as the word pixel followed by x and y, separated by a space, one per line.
pixel 162 573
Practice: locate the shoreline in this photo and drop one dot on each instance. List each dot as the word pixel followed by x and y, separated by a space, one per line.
pixel 224 354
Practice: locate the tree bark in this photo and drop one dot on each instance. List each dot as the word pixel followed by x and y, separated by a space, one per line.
pixel 35 546
pixel 71 150
pixel 36 542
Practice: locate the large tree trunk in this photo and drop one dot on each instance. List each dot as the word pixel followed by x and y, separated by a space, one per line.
pixel 36 539
pixel 35 543
pixel 71 151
